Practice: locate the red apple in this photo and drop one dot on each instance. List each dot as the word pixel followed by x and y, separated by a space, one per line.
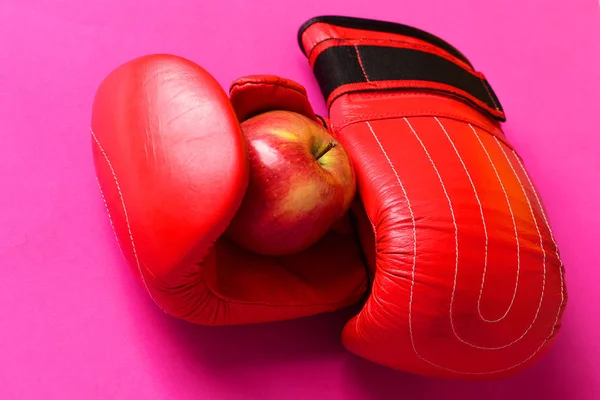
pixel 301 183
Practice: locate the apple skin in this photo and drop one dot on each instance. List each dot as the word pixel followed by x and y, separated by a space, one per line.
pixel 301 182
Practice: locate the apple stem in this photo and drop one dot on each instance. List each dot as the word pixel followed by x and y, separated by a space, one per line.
pixel 329 146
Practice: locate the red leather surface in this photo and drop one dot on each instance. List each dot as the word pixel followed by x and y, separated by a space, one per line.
pixel 408 85
pixel 171 164
pixel 468 281
pixel 254 94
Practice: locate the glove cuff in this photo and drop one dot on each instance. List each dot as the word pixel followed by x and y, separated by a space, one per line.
pixel 255 94
pixel 359 55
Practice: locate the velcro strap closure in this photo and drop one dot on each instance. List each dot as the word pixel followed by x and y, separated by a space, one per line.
pixel 343 68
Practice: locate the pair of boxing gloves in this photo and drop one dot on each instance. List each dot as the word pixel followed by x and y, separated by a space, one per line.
pixel 449 251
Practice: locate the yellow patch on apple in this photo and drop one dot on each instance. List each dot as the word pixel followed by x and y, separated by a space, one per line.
pixel 285 134
pixel 301 199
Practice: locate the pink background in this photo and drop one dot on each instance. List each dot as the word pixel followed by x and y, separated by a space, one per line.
pixel 73 322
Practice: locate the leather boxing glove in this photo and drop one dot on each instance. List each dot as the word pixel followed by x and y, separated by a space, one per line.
pixel 171 164
pixel 467 278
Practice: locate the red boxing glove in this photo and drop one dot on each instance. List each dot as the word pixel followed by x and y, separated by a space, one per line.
pixel 467 281
pixel 172 166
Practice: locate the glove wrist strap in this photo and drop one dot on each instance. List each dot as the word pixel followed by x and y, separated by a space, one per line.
pixel 348 55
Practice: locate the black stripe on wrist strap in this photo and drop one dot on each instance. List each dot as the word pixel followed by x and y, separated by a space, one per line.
pixel 341 65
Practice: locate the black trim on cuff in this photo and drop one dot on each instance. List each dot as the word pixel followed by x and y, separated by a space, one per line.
pixel 341 65
pixel 381 26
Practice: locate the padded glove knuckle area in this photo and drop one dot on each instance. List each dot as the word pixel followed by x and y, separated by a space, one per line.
pixel 172 166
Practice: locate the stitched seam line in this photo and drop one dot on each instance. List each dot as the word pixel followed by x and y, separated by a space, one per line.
pixel 110 218
pixel 512 216
pixel 413 276
pixel 360 62
pixel 420 114
pixel 482 282
pixel 126 218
